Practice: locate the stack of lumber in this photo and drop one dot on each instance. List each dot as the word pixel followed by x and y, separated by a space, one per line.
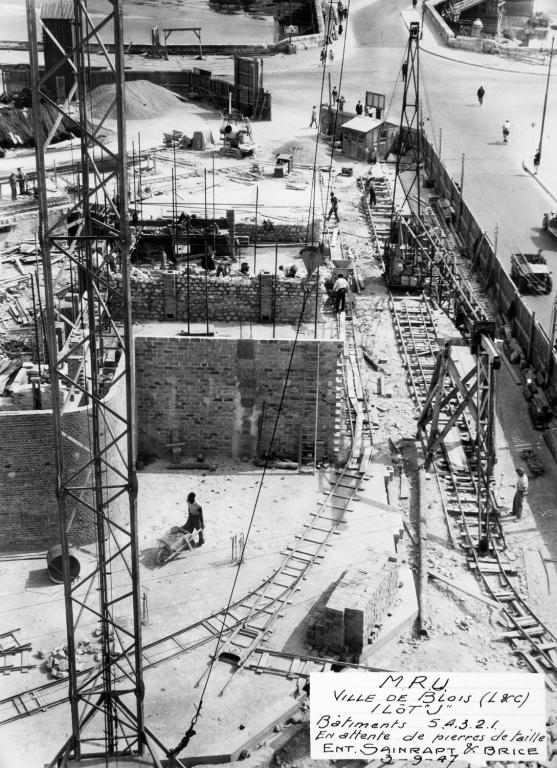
pixel 16 126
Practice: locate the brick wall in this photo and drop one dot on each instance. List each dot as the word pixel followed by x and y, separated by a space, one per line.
pixel 28 507
pixel 224 299
pixel 221 396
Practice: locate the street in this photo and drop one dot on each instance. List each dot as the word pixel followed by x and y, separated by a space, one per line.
pixel 496 187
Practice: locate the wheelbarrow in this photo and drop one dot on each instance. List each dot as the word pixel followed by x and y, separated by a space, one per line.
pixel 172 543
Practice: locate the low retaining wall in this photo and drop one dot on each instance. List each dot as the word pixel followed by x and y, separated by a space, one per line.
pixel 221 396
pixel 439 24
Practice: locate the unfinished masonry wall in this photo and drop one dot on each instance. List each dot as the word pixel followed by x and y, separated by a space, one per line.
pixel 221 396
pixel 28 507
pixel 167 296
pixel 295 232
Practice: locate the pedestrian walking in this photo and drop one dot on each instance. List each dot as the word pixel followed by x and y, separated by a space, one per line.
pixel 372 195
pixel 520 493
pixel 414 3
pixel 359 108
pixel 22 181
pixel 13 184
pixel 313 121
pixel 404 69
pixel 334 95
pixel 481 94
pixel 340 29
pixel 323 56
pixel 195 520
pixel 341 101
pixel 506 131
pixel 537 160
pixel 339 293
pixel 333 208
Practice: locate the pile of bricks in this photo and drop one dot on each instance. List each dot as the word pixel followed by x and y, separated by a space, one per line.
pixel 356 609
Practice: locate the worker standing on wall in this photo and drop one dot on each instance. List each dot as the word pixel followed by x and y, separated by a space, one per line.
pixel 195 519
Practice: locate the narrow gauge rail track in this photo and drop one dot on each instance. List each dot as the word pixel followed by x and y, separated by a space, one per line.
pixel 528 635
pixel 250 619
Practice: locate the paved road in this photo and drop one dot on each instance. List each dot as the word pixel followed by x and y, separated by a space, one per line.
pixel 496 187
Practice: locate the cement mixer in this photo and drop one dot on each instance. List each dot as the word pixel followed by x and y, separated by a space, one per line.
pixel 236 136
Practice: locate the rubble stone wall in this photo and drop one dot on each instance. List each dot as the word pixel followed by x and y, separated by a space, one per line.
pixel 296 232
pixel 166 296
pixel 221 396
pixel 28 507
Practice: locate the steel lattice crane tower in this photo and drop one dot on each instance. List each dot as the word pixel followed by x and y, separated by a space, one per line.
pixel 409 136
pixel 106 706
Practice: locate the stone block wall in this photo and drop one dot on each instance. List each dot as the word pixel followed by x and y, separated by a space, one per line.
pixel 221 396
pixel 166 296
pixel 294 232
pixel 355 610
pixel 28 507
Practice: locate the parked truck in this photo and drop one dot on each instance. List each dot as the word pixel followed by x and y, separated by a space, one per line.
pixel 549 223
pixel 531 273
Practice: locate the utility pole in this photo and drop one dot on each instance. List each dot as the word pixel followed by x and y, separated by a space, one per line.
pixel 539 152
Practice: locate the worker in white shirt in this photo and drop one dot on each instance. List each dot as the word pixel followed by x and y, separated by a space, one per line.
pixel 339 293
pixel 520 493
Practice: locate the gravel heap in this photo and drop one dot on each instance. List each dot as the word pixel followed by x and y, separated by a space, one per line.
pixel 143 100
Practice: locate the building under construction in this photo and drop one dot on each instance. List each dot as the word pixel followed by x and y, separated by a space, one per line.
pixel 181 318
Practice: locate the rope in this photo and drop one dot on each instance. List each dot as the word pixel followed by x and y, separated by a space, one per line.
pixel 190 732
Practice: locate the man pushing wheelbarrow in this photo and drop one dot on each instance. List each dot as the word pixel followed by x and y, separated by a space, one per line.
pixel 182 537
pixel 195 519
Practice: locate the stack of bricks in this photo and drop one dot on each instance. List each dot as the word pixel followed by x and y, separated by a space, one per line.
pixel 355 611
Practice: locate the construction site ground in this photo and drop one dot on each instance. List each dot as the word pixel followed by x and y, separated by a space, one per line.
pixel 462 631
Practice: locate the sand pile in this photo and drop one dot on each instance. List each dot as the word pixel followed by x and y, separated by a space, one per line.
pixel 143 100
pixel 303 151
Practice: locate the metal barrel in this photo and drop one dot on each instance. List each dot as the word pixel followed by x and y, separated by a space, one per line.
pixel 54 564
